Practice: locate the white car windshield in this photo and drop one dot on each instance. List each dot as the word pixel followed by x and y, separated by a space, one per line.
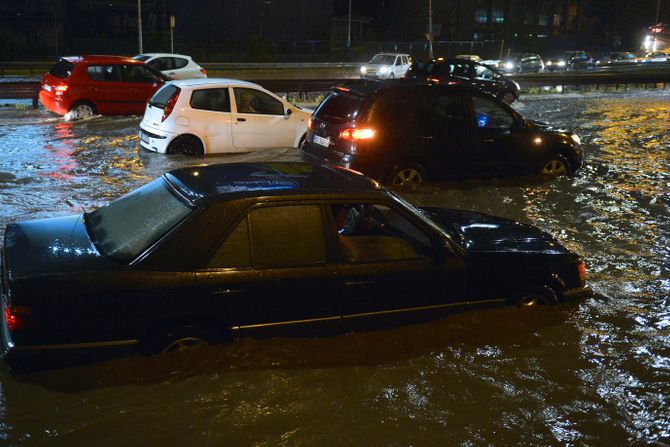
pixel 384 59
pixel 127 226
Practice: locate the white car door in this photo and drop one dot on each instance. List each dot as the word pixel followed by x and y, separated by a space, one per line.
pixel 260 120
pixel 211 119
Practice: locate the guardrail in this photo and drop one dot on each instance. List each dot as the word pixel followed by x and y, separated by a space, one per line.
pixel 646 78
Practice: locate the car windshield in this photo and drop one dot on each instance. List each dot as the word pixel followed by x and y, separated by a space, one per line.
pixel 385 59
pixel 127 226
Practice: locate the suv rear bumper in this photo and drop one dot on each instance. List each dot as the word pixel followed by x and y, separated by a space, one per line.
pixel 371 168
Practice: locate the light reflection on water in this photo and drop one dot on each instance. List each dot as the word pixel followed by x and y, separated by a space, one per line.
pixel 592 373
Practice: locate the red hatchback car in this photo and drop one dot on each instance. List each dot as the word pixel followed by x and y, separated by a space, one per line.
pixel 81 86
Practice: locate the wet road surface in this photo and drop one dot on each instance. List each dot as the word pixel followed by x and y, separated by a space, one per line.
pixel 591 373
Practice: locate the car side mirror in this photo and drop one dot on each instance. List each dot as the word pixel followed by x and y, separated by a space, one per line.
pixel 288 112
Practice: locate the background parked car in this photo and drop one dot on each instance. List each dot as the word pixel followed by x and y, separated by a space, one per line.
pixel 470 57
pixel 405 133
pixel 208 254
pixel 174 66
pixel 570 60
pixel 465 72
pixel 521 63
pixel 654 56
pixel 208 116
pixel 82 86
pixel 386 66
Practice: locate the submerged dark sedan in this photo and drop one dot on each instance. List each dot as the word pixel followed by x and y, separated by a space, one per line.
pixel 205 254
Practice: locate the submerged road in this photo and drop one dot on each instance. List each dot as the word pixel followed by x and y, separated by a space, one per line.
pixel 591 373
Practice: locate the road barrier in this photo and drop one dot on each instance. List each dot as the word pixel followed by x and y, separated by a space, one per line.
pixel 653 77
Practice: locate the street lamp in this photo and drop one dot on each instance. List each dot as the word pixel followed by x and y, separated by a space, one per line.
pixel 139 23
pixel 349 27
pixel 429 35
pixel 263 4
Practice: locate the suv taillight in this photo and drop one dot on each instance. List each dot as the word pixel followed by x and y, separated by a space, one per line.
pixel 16 317
pixel 203 71
pixel 357 134
pixel 170 105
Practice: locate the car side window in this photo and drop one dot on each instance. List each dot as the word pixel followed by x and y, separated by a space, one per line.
pixel 110 73
pixel 137 73
pixel 250 100
pixel 393 110
pixel 267 238
pixel 179 62
pixel 235 251
pixel 398 60
pixel 481 72
pixel 215 99
pixel 377 233
pixel 439 114
pixel 491 115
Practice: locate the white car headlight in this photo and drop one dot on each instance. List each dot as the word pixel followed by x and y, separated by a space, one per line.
pixel 364 69
pixel 383 70
pixel 576 138
pixel 560 63
pixel 509 65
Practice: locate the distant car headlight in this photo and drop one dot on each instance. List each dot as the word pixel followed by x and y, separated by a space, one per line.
pixel 560 63
pixel 549 63
pixel 575 138
pixel 364 69
pixel 509 65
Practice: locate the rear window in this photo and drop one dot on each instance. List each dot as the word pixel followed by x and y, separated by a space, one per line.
pixel 62 69
pixel 341 106
pixel 163 95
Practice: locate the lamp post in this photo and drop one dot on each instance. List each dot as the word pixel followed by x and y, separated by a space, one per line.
pixel 349 27
pixel 139 23
pixel 430 29
pixel 658 10
pixel 172 23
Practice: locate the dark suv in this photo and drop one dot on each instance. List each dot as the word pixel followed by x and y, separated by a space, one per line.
pixel 465 72
pixel 404 133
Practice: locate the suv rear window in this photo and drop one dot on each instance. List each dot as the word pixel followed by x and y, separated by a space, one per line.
pixel 163 95
pixel 62 69
pixel 340 106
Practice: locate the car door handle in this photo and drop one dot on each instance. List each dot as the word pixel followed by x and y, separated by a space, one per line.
pixel 241 119
pixel 426 138
pixel 361 282
pixel 488 140
pixel 228 291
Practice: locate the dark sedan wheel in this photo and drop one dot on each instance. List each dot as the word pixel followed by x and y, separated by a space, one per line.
pixel 555 167
pixel 80 110
pixel 507 97
pixel 535 296
pixel 186 145
pixel 182 338
pixel 410 175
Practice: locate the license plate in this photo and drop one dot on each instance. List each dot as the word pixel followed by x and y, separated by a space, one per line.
pixel 47 87
pixel 144 138
pixel 321 141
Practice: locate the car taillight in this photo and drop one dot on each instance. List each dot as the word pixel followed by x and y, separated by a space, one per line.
pixel 203 71
pixel 62 88
pixel 581 268
pixel 170 105
pixel 357 134
pixel 435 80
pixel 16 317
pixel 309 123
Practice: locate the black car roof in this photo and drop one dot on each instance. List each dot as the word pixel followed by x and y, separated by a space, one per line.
pixel 203 184
pixel 373 87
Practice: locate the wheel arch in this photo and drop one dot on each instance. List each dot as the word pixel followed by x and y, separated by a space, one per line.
pixel 170 147
pixel 193 320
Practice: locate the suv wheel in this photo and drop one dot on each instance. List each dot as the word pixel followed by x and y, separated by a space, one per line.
pixel 534 296
pixel 181 338
pixel 507 97
pixel 407 175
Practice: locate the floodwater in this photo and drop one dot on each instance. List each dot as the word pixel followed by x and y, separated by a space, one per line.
pixel 595 372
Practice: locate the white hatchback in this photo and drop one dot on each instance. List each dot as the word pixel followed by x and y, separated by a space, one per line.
pixel 210 116
pixel 174 66
pixel 386 66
